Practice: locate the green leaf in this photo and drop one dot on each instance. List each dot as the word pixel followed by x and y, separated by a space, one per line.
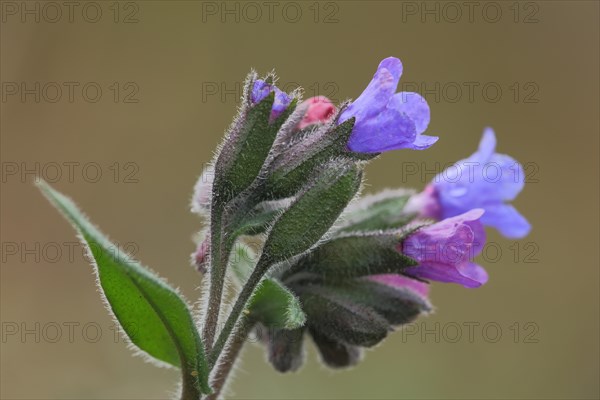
pixel 382 211
pixel 275 306
pixel 354 256
pixel 247 148
pixel 154 316
pixel 314 211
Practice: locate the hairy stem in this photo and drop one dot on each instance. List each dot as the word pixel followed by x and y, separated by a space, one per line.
pixel 217 277
pixel 189 388
pixel 224 221
pixel 239 306
pixel 230 355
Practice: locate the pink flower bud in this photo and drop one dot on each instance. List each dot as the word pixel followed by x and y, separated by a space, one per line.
pixel 200 256
pixel 319 109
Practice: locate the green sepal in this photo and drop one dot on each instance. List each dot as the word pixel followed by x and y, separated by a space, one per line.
pixel 286 349
pixel 335 354
pixel 341 320
pixel 313 212
pixel 398 306
pixel 259 219
pixel 354 256
pixel 246 149
pixel 155 317
pixel 242 260
pixel 382 211
pixel 301 160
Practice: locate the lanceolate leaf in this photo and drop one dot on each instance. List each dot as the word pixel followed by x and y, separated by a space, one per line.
pixel 272 304
pixel 154 316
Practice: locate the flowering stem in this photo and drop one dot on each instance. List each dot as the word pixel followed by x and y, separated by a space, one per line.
pixel 223 222
pixel 189 388
pixel 217 277
pixel 231 353
pixel 236 312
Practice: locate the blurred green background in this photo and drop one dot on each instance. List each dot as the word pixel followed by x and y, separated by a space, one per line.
pixel 169 75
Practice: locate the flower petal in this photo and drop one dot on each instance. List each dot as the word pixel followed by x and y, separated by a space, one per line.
pixel 413 105
pixel 469 275
pixel 378 93
pixel 260 90
pixel 390 130
pixel 423 142
pixel 487 145
pixel 475 275
pixel 282 101
pixel 507 220
pixel 453 241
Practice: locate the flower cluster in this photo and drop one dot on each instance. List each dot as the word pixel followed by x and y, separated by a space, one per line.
pixel 339 267
pixel 372 273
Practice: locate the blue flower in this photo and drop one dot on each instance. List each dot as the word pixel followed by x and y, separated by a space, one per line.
pixel 484 180
pixel 386 120
pixel 261 89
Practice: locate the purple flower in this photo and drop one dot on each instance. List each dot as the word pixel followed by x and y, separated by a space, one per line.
pixel 386 120
pixel 261 89
pixel 444 250
pixel 485 180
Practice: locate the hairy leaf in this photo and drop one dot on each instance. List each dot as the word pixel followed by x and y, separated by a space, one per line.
pixel 273 305
pixel 154 316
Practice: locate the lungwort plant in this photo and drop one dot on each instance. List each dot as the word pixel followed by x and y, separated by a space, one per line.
pixel 339 267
